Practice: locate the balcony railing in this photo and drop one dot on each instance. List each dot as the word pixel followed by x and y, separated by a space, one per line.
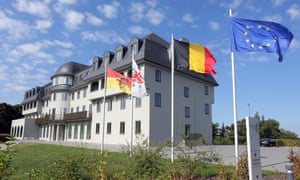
pixel 78 116
pixel 70 117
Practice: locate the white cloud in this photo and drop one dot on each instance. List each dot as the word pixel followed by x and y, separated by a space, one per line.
pixel 94 20
pixel 110 11
pixel 139 30
pixel 155 17
pixel 277 2
pixel 15 29
pixel 109 37
pixel 33 7
pixel 137 11
pixel 43 25
pixel 64 53
pixel 3 72
pixel 73 19
pixel 69 2
pixel 214 25
pixel 188 18
pixel 274 17
pixel 294 12
pixel 151 3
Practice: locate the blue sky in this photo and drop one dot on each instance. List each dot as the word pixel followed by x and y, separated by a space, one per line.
pixel 36 37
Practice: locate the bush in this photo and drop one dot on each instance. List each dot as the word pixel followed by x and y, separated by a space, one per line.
pixel 6 157
pixel 192 162
pixel 145 162
pixel 294 158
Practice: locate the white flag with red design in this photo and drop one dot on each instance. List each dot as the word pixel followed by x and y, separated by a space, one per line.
pixel 138 84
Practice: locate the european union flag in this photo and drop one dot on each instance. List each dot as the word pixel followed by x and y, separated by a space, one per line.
pixel 252 35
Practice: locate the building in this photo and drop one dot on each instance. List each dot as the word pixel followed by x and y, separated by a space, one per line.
pixel 71 106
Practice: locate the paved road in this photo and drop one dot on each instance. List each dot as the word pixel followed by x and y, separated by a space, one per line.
pixel 272 158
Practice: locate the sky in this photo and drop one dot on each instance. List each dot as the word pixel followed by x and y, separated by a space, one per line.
pixel 37 37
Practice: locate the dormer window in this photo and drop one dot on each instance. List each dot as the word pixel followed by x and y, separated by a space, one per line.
pixel 134 49
pixel 119 56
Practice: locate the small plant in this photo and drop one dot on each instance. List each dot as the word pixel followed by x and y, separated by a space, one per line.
pixel 294 158
pixel 192 160
pixel 145 162
pixel 6 157
pixel 242 171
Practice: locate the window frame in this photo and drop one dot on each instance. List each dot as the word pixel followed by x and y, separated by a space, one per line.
pixel 186 91
pixel 157 75
pixel 157 100
pixel 187 112
pixel 122 127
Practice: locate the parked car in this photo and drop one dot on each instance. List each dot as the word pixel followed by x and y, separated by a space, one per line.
pixel 267 142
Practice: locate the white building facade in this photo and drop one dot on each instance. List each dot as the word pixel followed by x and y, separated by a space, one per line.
pixel 71 107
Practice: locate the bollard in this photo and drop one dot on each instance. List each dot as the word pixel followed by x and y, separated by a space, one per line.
pixel 289 172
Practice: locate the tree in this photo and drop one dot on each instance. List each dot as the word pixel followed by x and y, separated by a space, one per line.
pixel 7 114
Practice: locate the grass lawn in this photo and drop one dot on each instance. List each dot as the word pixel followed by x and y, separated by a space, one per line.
pixel 35 156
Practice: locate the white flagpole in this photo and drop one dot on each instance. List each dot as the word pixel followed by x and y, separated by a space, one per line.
pixel 236 142
pixel 172 99
pixel 104 99
pixel 131 113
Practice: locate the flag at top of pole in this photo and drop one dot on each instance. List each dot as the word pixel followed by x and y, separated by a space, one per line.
pixel 253 35
pixel 138 82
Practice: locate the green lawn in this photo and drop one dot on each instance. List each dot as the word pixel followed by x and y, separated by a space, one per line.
pixel 42 158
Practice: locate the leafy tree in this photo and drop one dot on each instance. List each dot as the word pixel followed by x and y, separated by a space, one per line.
pixel 7 114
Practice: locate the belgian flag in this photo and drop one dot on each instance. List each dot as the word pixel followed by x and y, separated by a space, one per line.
pixel 194 57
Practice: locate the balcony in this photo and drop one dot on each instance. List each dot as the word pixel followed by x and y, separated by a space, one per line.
pixel 43 120
pixel 78 116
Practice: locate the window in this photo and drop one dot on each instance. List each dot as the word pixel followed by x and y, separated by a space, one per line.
pixel 206 90
pixel 122 127
pixel 187 112
pixel 83 107
pixel 206 108
pixel 102 83
pixel 98 106
pixel 81 131
pixel 84 92
pixel 123 102
pixel 78 94
pixel 157 100
pixel 187 130
pixel 94 86
pixel 88 131
pixel 108 130
pixel 77 109
pixel 133 49
pixel 119 56
pixel 64 96
pixel 97 128
pixel 72 95
pixel 54 96
pixel 186 92
pixel 157 75
pixel 72 110
pixel 138 127
pixel 138 102
pixel 90 108
pixel 75 132
pixel 66 80
pixel 109 105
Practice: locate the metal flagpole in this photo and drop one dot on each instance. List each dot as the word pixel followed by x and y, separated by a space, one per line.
pixel 234 106
pixel 172 99
pixel 104 99
pixel 131 113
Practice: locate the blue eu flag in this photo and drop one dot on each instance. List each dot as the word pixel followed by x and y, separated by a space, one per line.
pixel 252 35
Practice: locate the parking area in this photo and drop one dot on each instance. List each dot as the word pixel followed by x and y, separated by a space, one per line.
pixel 272 158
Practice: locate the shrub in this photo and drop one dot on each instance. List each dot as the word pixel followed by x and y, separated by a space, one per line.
pixel 145 162
pixel 242 171
pixel 192 161
pixel 6 157
pixel 294 158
